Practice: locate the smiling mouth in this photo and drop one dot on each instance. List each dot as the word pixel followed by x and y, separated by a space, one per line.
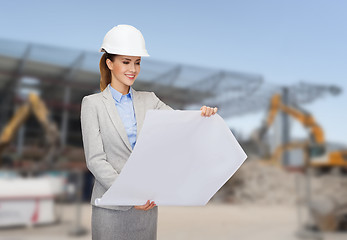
pixel 130 76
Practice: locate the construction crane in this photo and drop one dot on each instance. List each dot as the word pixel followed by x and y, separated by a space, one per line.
pixel 39 109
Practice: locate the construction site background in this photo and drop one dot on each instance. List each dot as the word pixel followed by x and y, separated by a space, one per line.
pixel 293 184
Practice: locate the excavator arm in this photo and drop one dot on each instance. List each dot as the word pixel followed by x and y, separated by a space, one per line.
pixel 37 106
pixel 316 145
pixel 9 131
pixel 305 118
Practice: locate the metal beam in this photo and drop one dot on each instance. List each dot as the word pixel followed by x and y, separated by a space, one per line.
pixel 16 84
pixel 170 76
pixel 58 81
pixel 68 76
pixel 12 85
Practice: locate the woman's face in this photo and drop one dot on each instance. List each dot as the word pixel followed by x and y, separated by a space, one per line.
pixel 124 70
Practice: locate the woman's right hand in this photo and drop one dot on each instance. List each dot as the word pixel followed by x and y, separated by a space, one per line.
pixel 149 205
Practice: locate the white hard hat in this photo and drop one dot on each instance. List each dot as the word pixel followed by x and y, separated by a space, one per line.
pixel 124 40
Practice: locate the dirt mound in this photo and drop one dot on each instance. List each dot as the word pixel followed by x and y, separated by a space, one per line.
pixel 256 182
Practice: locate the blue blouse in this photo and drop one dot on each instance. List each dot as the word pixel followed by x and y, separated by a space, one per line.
pixel 125 108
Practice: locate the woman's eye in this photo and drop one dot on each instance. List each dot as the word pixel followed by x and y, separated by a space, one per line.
pixel 125 62
pixel 138 63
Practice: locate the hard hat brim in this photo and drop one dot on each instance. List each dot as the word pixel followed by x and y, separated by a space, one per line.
pixel 139 53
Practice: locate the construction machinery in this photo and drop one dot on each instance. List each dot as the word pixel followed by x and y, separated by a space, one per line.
pixel 325 213
pixel 315 149
pixel 39 109
pixel 30 201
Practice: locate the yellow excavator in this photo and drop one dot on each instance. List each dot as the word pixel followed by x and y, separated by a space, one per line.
pixel 38 107
pixel 315 149
pixel 327 215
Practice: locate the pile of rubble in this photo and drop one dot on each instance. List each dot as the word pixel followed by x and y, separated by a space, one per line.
pixel 260 183
pixel 332 186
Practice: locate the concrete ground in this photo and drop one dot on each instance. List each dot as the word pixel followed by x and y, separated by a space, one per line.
pixel 213 221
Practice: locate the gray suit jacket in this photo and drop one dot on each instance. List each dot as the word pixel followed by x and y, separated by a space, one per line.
pixel 105 141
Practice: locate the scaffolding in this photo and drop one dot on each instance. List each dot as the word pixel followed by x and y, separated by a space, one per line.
pixel 62 76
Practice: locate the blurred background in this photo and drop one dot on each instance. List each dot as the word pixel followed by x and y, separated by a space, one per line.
pixel 275 69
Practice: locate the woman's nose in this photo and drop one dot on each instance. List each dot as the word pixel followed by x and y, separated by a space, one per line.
pixel 132 67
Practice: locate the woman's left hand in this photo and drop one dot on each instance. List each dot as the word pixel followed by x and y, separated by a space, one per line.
pixel 208 111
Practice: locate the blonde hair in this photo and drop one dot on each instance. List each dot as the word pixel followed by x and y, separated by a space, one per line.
pixel 105 72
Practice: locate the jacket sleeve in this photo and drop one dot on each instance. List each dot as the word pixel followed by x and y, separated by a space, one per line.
pixel 96 158
pixel 159 104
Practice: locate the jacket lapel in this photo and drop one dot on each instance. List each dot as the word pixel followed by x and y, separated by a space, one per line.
pixel 139 109
pixel 116 120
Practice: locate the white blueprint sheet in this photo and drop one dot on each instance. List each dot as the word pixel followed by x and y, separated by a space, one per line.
pixel 180 158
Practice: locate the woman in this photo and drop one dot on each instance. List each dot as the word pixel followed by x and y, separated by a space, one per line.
pixel 111 121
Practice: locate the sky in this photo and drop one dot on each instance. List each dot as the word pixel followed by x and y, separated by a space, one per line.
pixel 285 41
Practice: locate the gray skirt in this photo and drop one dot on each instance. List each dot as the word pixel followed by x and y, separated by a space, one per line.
pixel 133 224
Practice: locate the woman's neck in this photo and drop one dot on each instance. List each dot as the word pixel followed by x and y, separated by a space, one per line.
pixel 123 89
